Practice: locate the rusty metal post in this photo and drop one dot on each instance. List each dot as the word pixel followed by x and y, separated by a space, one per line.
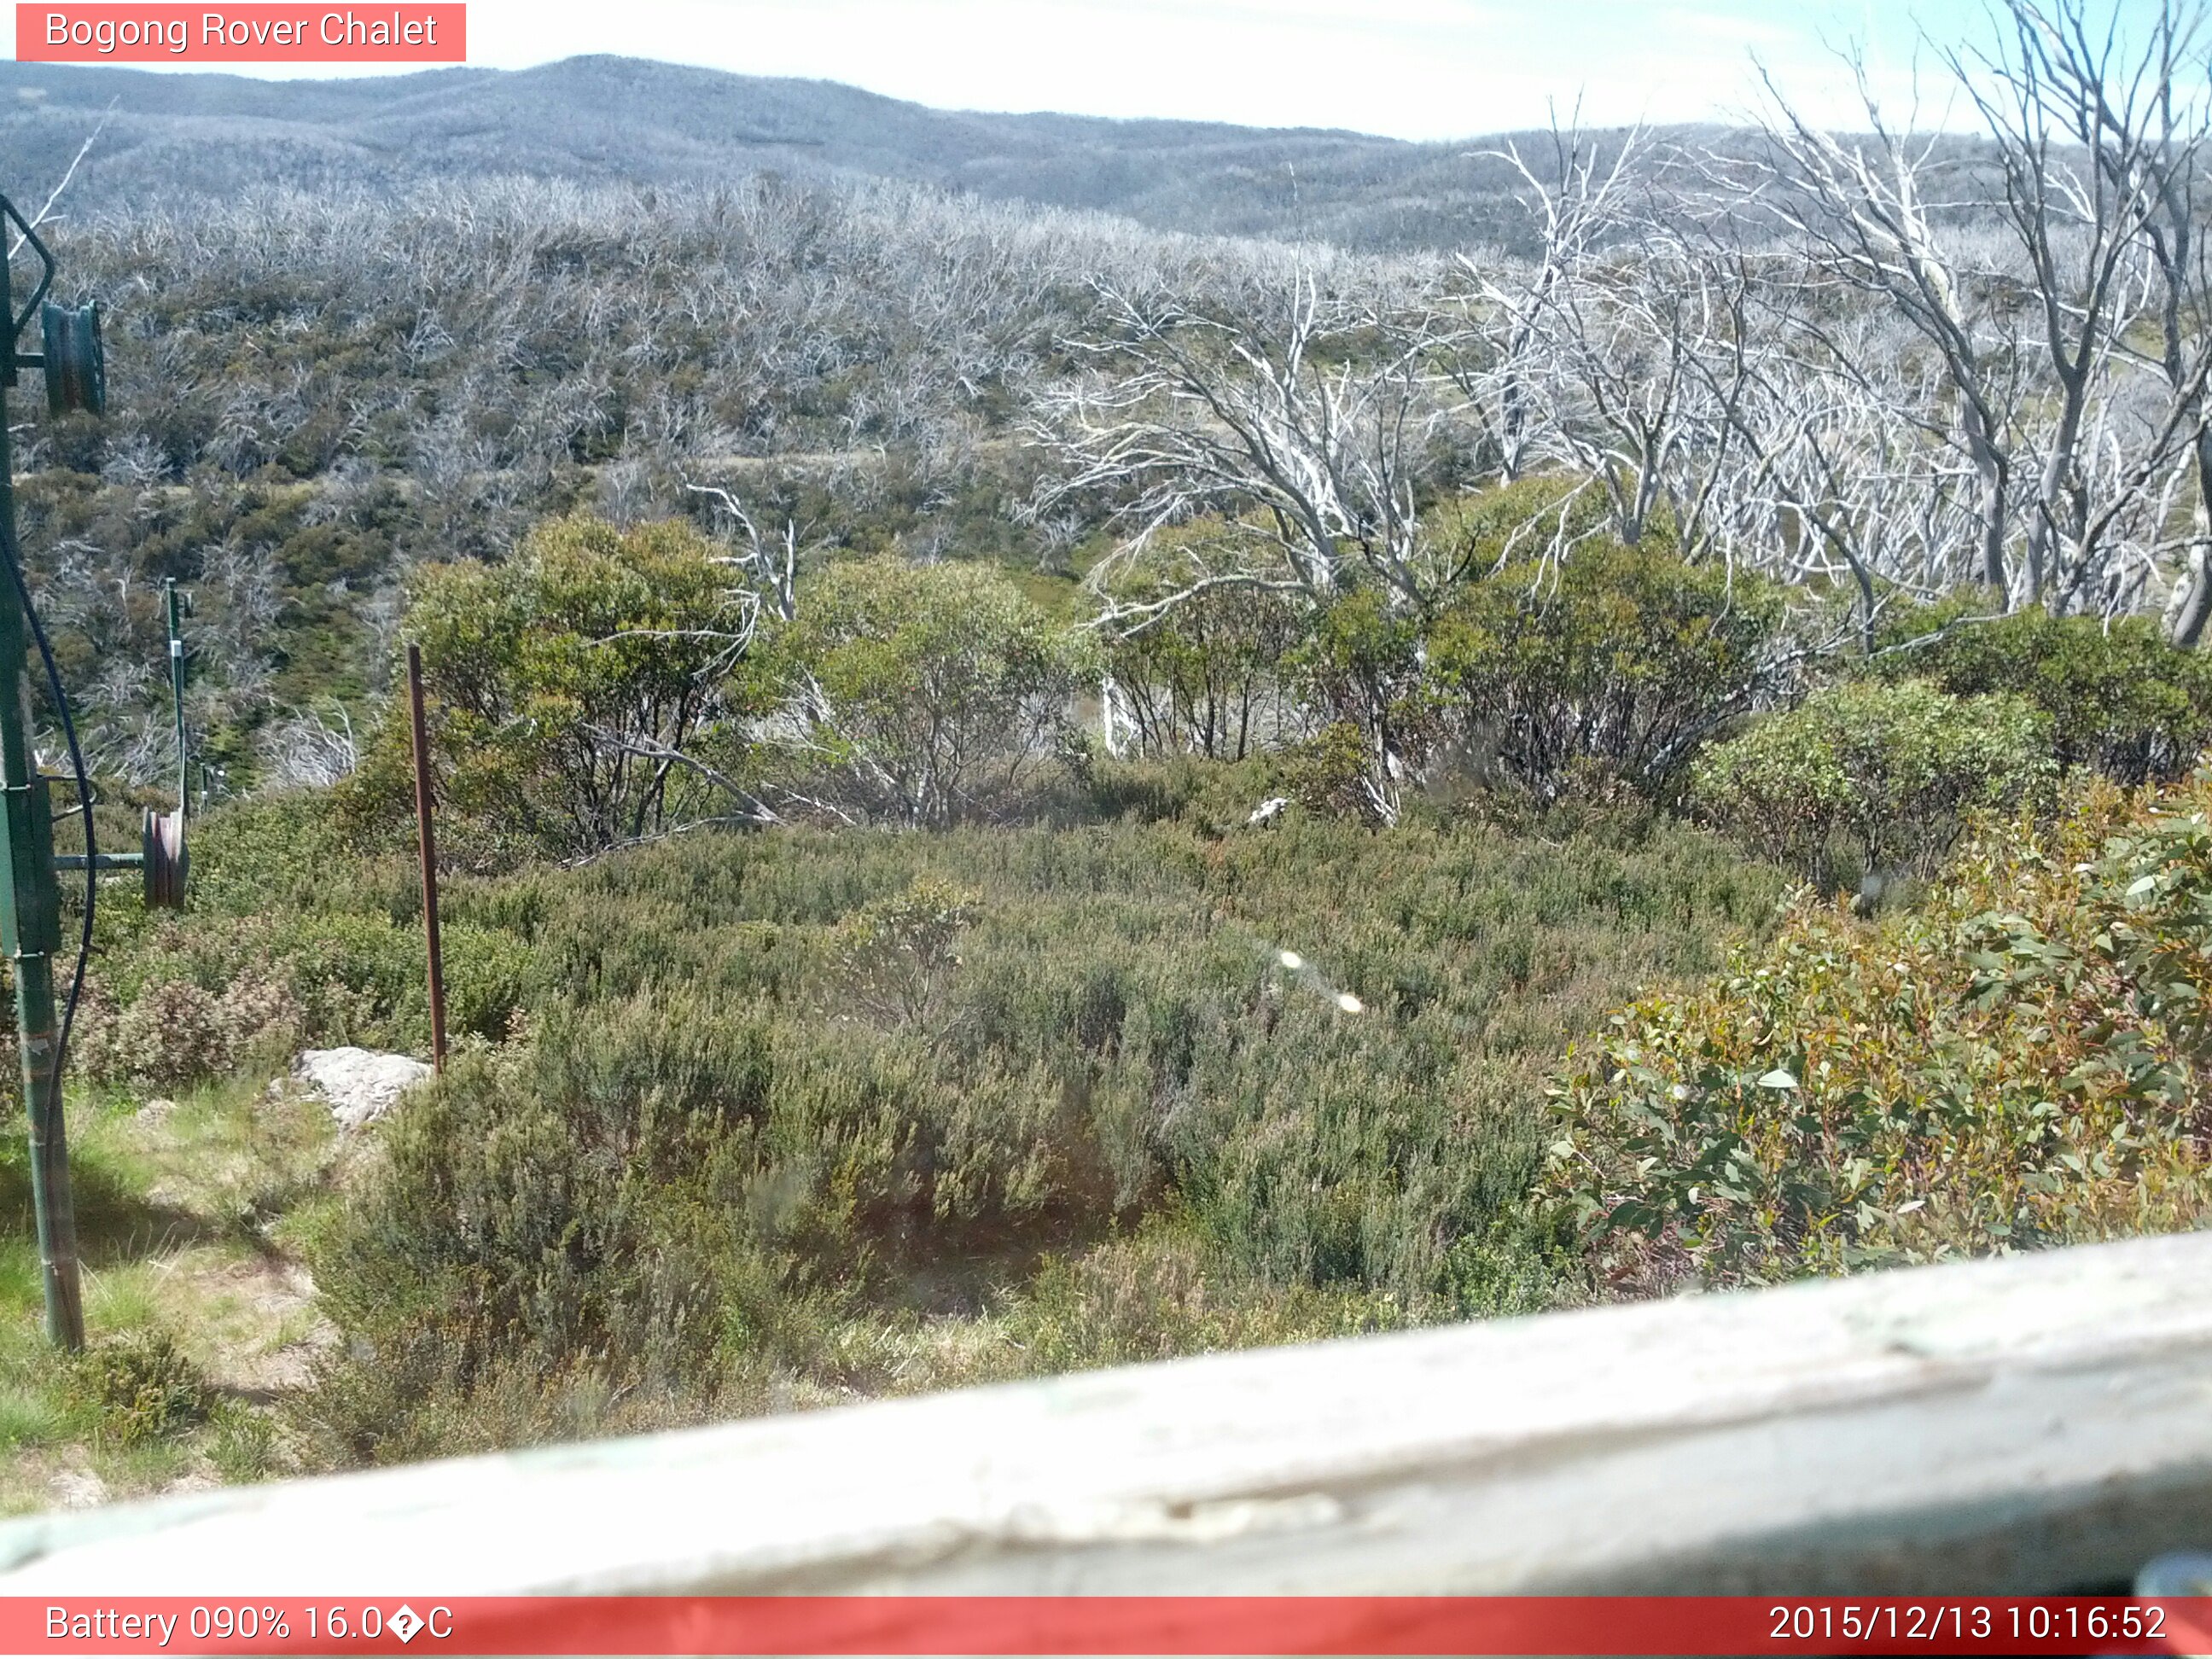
pixel 429 857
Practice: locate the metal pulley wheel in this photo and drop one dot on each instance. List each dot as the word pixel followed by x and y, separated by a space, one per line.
pixel 161 836
pixel 76 364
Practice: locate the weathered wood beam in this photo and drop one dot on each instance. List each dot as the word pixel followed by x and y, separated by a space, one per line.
pixel 2035 1424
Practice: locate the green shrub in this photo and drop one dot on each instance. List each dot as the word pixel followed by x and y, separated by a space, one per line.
pixel 1205 676
pixel 283 852
pixel 1879 775
pixel 1615 661
pixel 2022 1061
pixel 244 1446
pixel 1166 1291
pixel 175 1034
pixel 896 956
pixel 197 994
pixel 555 685
pixel 2121 700
pixel 1218 795
pixel 926 692
pixel 1361 671
pixel 1478 533
pixel 142 1389
pixel 778 1091
pixel 651 1186
pixel 1332 771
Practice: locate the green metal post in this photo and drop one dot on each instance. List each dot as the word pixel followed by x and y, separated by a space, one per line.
pixel 30 932
pixel 176 694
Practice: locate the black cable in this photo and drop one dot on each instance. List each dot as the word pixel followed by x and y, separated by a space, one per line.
pixel 83 795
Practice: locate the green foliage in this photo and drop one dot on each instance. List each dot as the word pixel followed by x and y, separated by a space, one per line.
pixel 277 852
pixel 293 937
pixel 1361 664
pixel 557 683
pixel 1207 680
pixel 244 1446
pixel 1616 662
pixel 1161 1292
pixel 1205 676
pixel 897 955
pixel 2020 1062
pixel 142 1389
pixel 1211 797
pixel 1334 771
pixel 174 1033
pixel 777 1094
pixel 2121 700
pixel 927 691
pixel 1880 775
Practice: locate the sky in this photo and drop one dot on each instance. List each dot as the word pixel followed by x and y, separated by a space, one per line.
pixel 1410 68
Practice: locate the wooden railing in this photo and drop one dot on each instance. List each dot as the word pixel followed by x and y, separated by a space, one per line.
pixel 2036 1424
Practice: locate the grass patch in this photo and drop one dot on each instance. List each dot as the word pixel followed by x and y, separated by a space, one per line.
pixel 197 1319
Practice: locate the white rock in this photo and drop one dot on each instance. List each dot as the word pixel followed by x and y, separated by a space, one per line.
pixel 78 1489
pixel 360 1084
pixel 1267 810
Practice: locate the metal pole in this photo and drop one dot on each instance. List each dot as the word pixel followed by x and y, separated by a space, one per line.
pixel 30 931
pixel 177 695
pixel 429 857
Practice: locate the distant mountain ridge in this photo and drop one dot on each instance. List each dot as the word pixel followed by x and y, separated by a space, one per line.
pixel 603 118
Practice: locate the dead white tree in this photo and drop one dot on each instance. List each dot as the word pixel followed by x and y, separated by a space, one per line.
pixel 304 749
pixel 2054 273
pixel 2175 237
pixel 1641 360
pixel 1574 207
pixel 1847 478
pixel 2095 141
pixel 1300 419
pixel 766 569
pixel 1860 208
pixel 46 215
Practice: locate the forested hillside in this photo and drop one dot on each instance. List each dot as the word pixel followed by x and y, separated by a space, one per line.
pixel 311 393
pixel 1020 789
pixel 615 121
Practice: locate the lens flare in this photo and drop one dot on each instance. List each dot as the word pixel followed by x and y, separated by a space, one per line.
pixel 1344 1000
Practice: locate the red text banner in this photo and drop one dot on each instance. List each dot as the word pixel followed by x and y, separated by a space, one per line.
pixel 308 33
pixel 1010 1626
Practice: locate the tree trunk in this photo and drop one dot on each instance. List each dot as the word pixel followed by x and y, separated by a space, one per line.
pixel 2191 606
pixel 1990 471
